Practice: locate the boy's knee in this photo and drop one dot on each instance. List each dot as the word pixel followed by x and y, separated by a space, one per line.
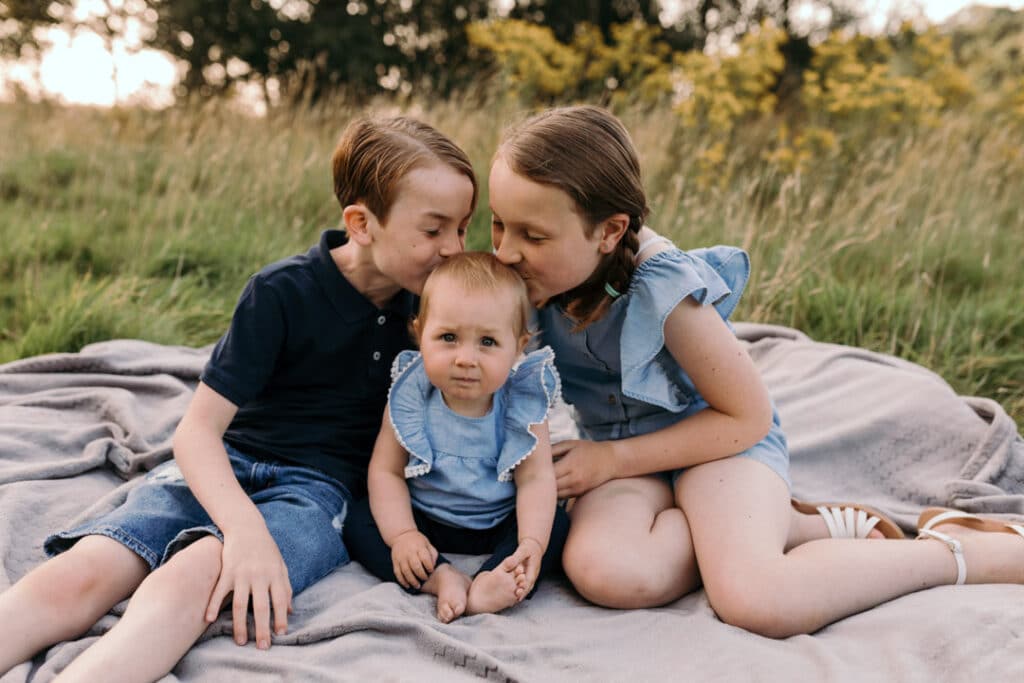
pixel 191 572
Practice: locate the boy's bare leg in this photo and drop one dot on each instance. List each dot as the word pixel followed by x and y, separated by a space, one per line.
pixel 61 598
pixel 452 590
pixel 164 619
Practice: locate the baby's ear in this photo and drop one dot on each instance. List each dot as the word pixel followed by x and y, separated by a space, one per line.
pixel 524 339
pixel 357 223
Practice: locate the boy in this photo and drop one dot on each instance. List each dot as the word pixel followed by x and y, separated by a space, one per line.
pixel 276 440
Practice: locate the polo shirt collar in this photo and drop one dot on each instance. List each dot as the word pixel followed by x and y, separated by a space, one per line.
pixel 348 301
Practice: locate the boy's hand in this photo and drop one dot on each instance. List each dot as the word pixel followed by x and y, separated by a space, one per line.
pixel 413 558
pixel 528 557
pixel 582 465
pixel 251 565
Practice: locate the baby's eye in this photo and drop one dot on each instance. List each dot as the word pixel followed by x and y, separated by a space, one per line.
pixel 448 337
pixel 489 341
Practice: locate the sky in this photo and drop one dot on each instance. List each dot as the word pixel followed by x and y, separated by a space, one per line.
pixel 80 69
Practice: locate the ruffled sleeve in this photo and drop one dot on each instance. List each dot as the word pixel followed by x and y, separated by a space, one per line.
pixel 715 276
pixel 406 406
pixel 532 389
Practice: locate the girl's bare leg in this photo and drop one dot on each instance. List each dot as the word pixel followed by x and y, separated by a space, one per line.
pixel 164 619
pixel 629 545
pixel 740 517
pixel 61 598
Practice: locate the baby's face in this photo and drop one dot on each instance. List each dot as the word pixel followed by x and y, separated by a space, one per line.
pixel 469 344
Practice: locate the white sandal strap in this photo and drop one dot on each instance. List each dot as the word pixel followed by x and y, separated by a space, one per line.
pixel 944 517
pixel 953 544
pixel 847 522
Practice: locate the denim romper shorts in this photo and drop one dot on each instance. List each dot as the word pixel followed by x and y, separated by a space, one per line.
pixel 617 373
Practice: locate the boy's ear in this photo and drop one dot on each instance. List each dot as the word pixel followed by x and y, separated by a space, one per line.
pixel 612 230
pixel 357 223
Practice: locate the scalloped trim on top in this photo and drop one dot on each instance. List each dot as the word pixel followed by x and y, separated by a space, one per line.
pixel 404 364
pixel 547 363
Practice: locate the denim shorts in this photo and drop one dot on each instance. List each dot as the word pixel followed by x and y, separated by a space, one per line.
pixel 304 510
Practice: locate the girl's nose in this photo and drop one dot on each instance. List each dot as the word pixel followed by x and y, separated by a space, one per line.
pixel 465 357
pixel 506 251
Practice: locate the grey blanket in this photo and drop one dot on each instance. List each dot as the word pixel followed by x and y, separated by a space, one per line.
pixel 75 428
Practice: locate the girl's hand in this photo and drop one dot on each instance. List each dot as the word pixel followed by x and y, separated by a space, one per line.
pixel 526 558
pixel 251 564
pixel 582 465
pixel 412 558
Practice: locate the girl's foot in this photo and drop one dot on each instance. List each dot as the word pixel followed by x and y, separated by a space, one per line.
pixel 492 591
pixel 990 550
pixel 452 590
pixel 809 523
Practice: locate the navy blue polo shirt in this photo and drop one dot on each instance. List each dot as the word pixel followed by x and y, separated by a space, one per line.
pixel 307 360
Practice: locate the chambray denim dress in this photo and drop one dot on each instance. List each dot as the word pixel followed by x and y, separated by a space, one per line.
pixel 460 468
pixel 617 373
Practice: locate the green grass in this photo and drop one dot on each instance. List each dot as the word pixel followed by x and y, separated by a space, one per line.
pixel 141 224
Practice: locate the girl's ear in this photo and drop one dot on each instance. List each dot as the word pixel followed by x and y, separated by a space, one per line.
pixel 357 223
pixel 612 229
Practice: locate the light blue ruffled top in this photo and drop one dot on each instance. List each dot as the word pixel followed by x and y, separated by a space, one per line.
pixel 617 373
pixel 460 468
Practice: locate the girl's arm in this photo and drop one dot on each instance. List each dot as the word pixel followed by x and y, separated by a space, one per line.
pixel 251 562
pixel 739 412
pixel 535 507
pixel 412 554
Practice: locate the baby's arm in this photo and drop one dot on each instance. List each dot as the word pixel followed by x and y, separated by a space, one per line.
pixel 412 554
pixel 739 412
pixel 535 508
pixel 251 563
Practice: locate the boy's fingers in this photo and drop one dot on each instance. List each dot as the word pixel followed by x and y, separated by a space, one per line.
pixel 239 605
pixel 281 600
pixel 261 617
pixel 220 591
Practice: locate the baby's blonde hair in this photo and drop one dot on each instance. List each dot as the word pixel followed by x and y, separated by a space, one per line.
pixel 479 271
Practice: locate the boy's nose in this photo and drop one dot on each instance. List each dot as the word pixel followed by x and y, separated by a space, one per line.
pixel 451 244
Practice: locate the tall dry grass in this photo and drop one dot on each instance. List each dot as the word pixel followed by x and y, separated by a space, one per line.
pixel 146 224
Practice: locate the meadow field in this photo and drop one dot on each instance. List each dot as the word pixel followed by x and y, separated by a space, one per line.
pixel 132 223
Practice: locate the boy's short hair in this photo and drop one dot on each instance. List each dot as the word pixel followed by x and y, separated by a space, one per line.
pixel 374 155
pixel 480 271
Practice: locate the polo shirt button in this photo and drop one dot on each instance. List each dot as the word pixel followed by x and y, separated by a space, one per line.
pixel 611 399
pixel 376 355
pixel 381 320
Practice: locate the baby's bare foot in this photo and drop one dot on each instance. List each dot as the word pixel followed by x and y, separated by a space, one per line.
pixel 492 591
pixel 452 590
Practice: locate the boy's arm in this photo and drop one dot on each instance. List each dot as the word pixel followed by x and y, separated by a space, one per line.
pixel 251 563
pixel 535 507
pixel 412 554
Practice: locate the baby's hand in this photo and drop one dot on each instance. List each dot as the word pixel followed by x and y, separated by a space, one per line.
pixel 412 558
pixel 524 564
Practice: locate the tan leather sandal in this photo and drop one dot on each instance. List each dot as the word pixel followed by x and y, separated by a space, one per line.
pixel 850 520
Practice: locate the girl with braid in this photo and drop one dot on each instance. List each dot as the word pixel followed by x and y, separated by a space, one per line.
pixel 682 477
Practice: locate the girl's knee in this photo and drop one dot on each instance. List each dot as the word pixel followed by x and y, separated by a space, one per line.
pixel 752 605
pixel 625 577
